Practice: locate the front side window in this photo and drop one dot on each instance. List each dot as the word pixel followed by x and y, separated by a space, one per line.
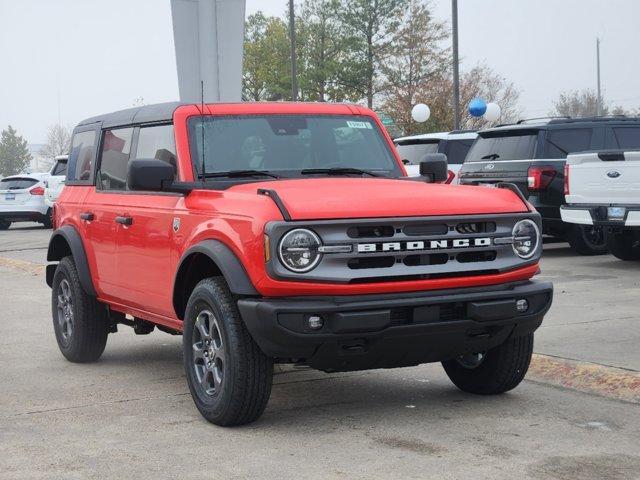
pixel 289 144
pixel 413 151
pixel 114 159
pixel 501 146
pixel 560 143
pixel 157 142
pixel 81 156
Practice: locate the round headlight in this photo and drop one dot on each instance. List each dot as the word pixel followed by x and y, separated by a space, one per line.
pixel 298 250
pixel 526 237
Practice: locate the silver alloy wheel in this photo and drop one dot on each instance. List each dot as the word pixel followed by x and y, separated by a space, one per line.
pixel 65 310
pixel 208 353
pixel 471 360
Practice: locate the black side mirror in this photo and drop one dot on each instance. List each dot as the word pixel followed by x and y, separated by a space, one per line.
pixel 434 166
pixel 149 174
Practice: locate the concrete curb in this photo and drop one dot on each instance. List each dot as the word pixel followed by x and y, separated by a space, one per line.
pixel 587 377
pixel 22 265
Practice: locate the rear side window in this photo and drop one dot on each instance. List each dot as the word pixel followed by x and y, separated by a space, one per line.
pixel 414 150
pixel 17 183
pixel 456 151
pixel 499 146
pixel 81 157
pixel 60 168
pixel 157 142
pixel 560 143
pixel 114 157
pixel 626 137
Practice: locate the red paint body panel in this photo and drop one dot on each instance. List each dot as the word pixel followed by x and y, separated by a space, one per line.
pixel 133 267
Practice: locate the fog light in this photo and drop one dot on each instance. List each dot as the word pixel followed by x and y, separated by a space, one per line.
pixel 315 322
pixel 522 305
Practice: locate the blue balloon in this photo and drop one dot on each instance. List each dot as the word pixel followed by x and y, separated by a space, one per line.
pixel 477 107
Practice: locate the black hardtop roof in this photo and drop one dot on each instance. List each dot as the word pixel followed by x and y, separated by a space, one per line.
pixel 159 112
pixel 556 122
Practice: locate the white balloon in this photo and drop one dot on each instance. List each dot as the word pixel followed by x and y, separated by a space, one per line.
pixel 493 112
pixel 420 112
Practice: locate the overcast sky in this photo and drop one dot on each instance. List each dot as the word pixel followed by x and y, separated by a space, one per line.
pixel 98 56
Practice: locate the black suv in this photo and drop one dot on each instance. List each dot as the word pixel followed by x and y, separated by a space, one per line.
pixel 532 154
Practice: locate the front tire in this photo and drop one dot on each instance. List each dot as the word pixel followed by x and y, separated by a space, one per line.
pixel 624 245
pixel 228 375
pixel 5 224
pixel 587 240
pixel 79 321
pixel 496 371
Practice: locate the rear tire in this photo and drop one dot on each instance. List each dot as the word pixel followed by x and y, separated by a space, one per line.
pixel 587 240
pixel 4 224
pixel 624 245
pixel 79 320
pixel 501 369
pixel 228 375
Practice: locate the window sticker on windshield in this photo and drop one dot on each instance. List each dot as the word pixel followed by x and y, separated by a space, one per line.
pixel 351 124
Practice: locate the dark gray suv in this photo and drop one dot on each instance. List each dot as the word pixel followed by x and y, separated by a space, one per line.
pixel 532 154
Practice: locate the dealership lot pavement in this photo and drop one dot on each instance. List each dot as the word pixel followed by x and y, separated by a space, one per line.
pixel 130 415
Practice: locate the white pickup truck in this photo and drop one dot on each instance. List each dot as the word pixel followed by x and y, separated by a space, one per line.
pixel 603 188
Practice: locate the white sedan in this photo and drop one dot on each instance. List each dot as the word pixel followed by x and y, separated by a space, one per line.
pixel 22 200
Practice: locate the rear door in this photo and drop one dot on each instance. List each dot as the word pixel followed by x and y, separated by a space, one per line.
pixel 501 156
pixel 101 208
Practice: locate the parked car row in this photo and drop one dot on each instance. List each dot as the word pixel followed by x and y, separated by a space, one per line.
pixel 532 155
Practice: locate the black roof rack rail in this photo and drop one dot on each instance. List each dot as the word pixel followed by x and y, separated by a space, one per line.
pixel 524 120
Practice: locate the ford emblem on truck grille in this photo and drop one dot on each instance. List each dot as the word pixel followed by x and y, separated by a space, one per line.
pixel 613 174
pixel 423 245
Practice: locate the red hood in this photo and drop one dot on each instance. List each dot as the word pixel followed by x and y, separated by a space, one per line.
pixel 327 198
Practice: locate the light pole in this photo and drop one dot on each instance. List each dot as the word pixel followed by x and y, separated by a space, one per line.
pixel 294 69
pixel 599 99
pixel 456 72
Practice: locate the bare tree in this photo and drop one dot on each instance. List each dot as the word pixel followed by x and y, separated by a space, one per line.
pixel 58 141
pixel 583 103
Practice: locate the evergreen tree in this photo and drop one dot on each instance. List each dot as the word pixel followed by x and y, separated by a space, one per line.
pixel 14 155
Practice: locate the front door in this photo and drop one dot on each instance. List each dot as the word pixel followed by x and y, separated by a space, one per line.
pixel 145 238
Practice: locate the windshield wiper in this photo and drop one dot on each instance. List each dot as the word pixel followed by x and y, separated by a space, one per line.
pixel 491 156
pixel 239 173
pixel 338 171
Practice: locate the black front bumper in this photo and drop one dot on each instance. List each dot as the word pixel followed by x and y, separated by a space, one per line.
pixel 386 331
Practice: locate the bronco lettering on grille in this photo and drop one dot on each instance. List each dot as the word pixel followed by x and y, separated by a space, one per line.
pixel 423 245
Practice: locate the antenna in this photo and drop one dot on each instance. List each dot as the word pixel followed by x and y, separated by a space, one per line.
pixel 202 128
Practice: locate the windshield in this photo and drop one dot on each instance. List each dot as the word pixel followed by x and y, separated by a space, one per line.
pixel 518 145
pixel 288 144
pixel 414 150
pixel 17 183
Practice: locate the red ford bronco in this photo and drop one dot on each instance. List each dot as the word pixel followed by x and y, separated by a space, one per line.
pixel 288 233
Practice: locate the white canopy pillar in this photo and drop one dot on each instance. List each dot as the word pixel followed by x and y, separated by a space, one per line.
pixel 209 36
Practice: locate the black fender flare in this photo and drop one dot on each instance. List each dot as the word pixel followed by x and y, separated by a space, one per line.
pixel 227 262
pixel 69 236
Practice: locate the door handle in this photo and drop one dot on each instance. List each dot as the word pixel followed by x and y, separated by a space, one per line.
pixel 124 220
pixel 88 216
